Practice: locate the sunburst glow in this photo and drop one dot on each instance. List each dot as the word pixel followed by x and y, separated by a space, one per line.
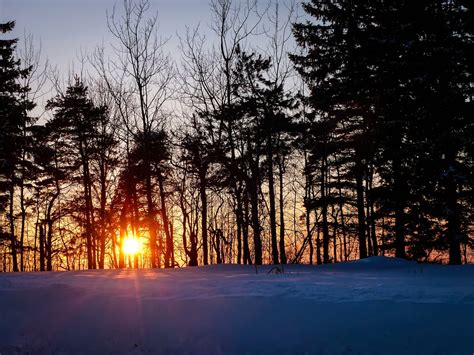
pixel 131 246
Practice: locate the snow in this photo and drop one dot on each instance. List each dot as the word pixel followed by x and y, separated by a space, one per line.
pixel 377 305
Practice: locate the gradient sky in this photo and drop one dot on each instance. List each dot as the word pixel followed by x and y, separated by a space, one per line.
pixel 65 27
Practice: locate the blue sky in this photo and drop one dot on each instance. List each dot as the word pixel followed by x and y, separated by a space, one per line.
pixel 65 27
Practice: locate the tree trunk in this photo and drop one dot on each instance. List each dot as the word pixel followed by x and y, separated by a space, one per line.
pixel 151 218
pixel 245 230
pixel 35 247
pixel 399 210
pixel 370 247
pixel 49 243
pixel 23 220
pixel 271 193
pixel 49 237
pixel 42 247
pixel 87 204
pixel 255 218
pixel 217 245
pixel 169 250
pixel 282 216
pixel 103 196
pixel 335 233
pixel 307 197
pixel 123 233
pixel 239 237
pixel 203 196
pixel 360 208
pixel 11 218
pixel 453 218
pixel 372 218
pixel 319 260
pixel 341 210
pixel 193 253
pixel 324 211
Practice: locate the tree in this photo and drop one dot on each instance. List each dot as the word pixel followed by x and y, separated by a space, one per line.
pixel 335 68
pixel 373 70
pixel 208 78
pixel 264 111
pixel 14 108
pixel 446 49
pixel 143 70
pixel 51 168
pixel 198 153
pixel 76 118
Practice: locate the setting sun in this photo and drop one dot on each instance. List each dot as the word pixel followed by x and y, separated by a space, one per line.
pixel 131 246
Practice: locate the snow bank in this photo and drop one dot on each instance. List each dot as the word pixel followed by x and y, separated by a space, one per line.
pixel 376 305
pixel 384 261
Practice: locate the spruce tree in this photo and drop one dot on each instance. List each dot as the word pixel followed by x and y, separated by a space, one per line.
pixel 335 68
pixel 14 108
pixel 398 75
pixel 76 119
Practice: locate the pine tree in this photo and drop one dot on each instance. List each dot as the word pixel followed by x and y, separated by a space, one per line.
pixel 265 112
pixel 76 119
pixel 445 49
pixel 335 68
pixel 386 74
pixel 14 108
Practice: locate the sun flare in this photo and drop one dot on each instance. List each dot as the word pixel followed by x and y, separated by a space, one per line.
pixel 131 246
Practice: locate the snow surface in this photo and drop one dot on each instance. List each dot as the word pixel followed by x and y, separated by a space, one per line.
pixel 377 305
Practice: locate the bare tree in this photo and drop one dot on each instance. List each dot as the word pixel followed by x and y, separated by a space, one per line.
pixel 207 82
pixel 139 74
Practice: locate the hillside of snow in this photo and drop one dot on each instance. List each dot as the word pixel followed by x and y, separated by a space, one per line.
pixel 373 306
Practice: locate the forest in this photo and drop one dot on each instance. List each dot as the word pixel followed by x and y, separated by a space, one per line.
pixel 348 134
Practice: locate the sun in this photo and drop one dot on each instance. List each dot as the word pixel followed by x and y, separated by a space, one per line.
pixel 131 246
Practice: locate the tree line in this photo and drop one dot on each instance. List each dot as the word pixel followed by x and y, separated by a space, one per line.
pixel 349 135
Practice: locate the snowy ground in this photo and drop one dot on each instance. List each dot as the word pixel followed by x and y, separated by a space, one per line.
pixel 373 306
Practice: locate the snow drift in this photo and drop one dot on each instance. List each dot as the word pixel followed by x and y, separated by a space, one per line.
pixel 377 305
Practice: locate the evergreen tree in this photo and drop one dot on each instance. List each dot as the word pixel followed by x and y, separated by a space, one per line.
pixel 381 72
pixel 14 108
pixel 265 112
pixel 76 119
pixel 336 70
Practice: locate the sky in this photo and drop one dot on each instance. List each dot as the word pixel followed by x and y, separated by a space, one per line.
pixel 66 28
